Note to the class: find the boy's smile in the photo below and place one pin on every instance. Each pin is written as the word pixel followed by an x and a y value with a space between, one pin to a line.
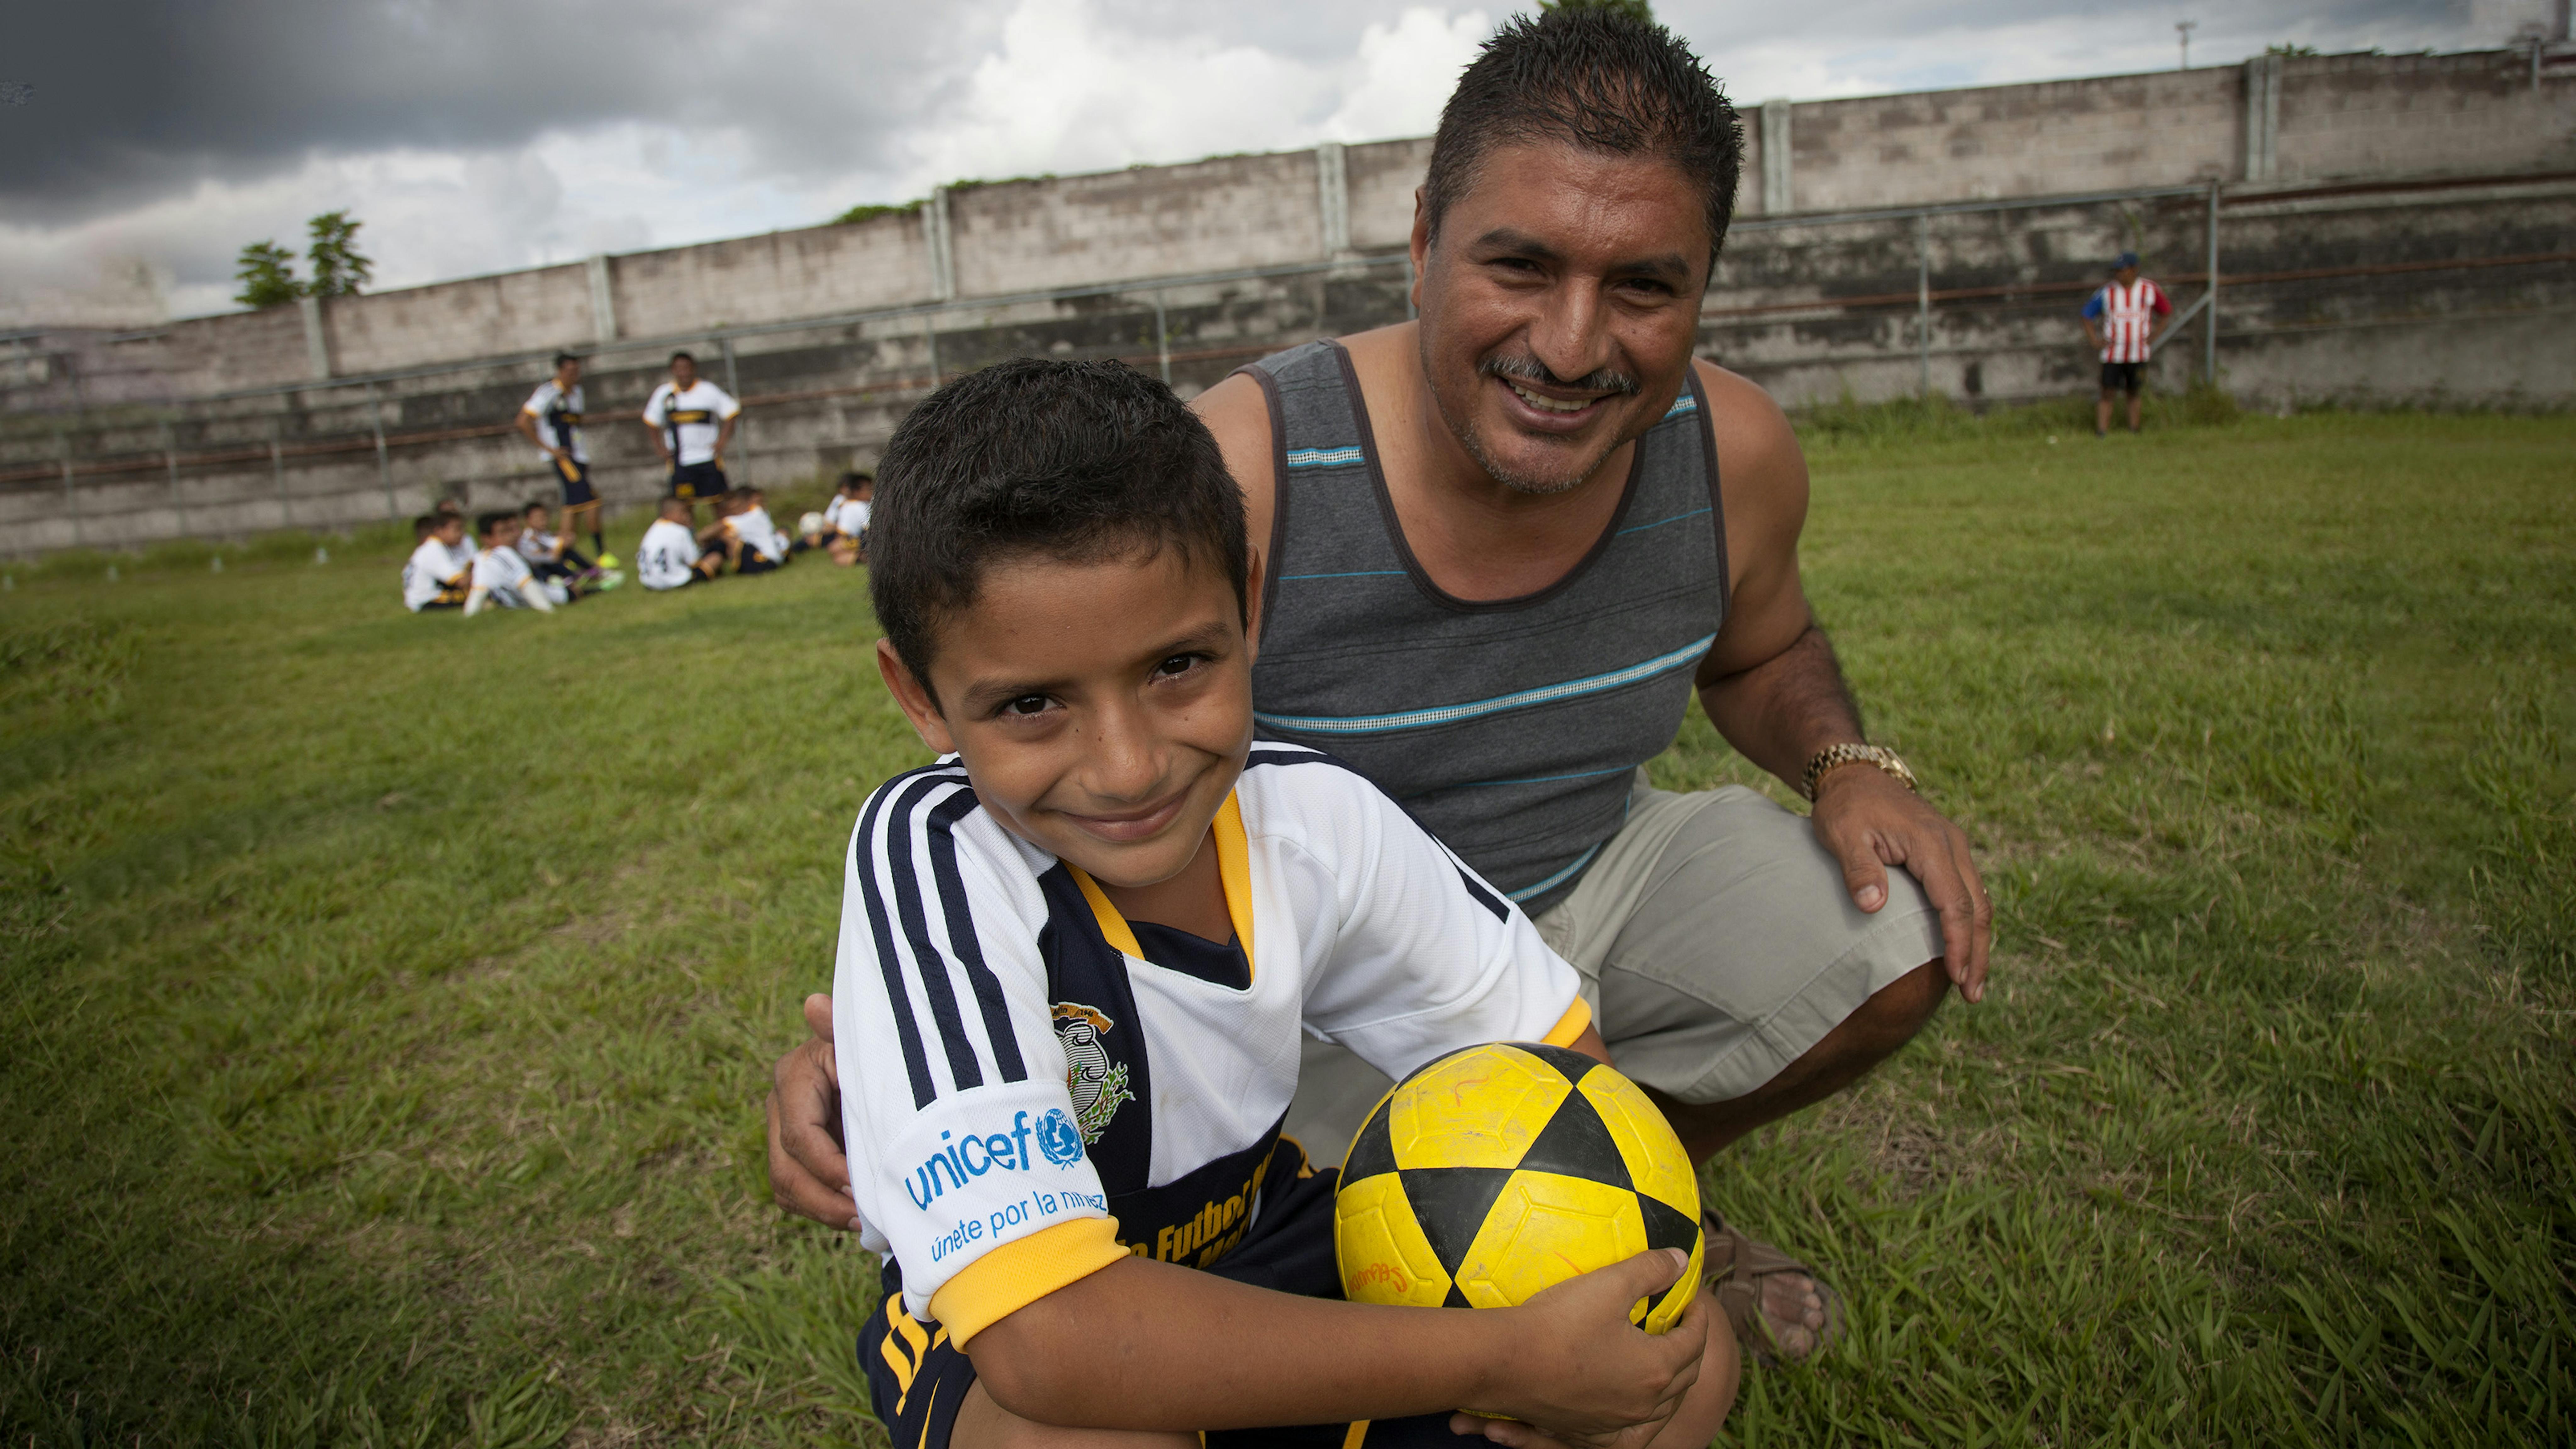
pixel 1103 709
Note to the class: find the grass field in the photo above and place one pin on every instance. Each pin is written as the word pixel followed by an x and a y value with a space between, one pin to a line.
pixel 389 1000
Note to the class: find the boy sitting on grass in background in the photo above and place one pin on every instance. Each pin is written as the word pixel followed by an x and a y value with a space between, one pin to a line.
pixel 669 557
pixel 845 520
pixel 502 577
pixel 436 574
pixel 753 542
pixel 1075 958
pixel 552 555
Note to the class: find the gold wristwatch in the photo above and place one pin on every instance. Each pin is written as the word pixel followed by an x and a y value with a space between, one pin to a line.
pixel 1834 756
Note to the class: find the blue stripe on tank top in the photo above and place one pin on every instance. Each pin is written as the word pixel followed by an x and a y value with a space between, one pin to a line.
pixel 1686 403
pixel 1541 888
pixel 1374 724
pixel 1660 522
pixel 1325 457
pixel 1546 779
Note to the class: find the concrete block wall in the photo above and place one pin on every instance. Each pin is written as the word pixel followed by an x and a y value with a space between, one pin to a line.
pixel 811 272
pixel 2403 115
pixel 526 311
pixel 1147 221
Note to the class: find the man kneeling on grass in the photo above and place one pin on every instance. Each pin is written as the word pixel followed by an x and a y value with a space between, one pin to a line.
pixel 1076 955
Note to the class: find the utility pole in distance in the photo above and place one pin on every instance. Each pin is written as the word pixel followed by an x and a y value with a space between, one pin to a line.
pixel 2183 29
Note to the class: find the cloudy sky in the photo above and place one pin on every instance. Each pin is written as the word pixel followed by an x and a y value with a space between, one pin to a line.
pixel 481 135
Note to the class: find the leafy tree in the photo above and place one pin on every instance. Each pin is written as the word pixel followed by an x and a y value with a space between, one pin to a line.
pixel 1638 10
pixel 870 211
pixel 266 272
pixel 338 268
pixel 2288 49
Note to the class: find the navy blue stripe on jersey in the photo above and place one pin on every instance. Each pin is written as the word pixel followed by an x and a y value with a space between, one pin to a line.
pixel 863 865
pixel 964 1071
pixel 1476 890
pixel 961 934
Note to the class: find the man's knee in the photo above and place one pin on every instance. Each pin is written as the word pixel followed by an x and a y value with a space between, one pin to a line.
pixel 1897 1011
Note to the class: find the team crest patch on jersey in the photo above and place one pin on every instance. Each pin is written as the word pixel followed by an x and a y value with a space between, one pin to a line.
pixel 1099 1085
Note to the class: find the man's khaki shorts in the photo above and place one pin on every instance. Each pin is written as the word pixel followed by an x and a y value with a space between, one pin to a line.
pixel 1716 945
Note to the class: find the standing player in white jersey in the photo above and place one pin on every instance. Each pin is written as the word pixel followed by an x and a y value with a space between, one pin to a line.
pixel 551 419
pixel 2123 320
pixel 691 420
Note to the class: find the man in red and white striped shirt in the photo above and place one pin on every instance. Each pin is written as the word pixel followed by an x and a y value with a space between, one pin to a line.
pixel 2123 320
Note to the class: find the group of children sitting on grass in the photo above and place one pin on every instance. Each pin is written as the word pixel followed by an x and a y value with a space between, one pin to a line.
pixel 517 562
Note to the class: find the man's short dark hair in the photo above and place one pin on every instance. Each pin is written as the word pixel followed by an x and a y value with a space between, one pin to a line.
pixel 1074 461
pixel 563 357
pixel 1594 78
pixel 676 356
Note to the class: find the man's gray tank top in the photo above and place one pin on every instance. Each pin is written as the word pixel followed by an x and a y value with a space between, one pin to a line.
pixel 1511 728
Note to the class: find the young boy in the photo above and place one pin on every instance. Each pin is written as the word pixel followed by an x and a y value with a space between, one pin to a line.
pixel 502 577
pixel 846 521
pixel 435 576
pixel 753 544
pixel 551 419
pixel 691 420
pixel 1076 955
pixel 551 554
pixel 669 556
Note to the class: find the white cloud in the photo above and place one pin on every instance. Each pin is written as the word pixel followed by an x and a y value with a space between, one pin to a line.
pixel 1012 87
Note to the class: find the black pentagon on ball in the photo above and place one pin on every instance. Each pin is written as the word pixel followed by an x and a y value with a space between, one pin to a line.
pixel 1451 1204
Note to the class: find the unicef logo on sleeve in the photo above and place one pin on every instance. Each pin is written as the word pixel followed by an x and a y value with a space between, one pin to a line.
pixel 1059 1139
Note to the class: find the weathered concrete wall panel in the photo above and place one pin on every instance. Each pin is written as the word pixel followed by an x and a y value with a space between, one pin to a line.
pixel 1239 211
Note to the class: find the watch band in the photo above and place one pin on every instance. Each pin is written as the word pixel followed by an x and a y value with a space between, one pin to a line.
pixel 1826 760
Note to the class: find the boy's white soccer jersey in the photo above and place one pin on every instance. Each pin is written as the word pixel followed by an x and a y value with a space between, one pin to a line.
pixel 508 578
pixel 690 420
pixel 758 533
pixel 662 560
pixel 434 575
pixel 849 515
pixel 1021 1065
pixel 558 415
pixel 536 545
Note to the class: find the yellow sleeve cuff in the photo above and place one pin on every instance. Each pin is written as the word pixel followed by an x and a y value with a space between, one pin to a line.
pixel 1576 1021
pixel 1017 1274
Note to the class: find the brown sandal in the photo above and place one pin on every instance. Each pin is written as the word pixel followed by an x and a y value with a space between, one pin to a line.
pixel 1736 1267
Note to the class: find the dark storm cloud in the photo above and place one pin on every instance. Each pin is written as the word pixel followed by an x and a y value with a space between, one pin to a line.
pixel 138 99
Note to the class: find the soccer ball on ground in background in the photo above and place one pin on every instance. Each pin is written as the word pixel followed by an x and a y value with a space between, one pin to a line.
pixel 1498 1171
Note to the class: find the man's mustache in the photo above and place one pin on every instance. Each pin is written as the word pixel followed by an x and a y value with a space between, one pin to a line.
pixel 1530 369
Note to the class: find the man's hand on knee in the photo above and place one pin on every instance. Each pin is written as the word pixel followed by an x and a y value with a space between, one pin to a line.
pixel 809 1173
pixel 1870 822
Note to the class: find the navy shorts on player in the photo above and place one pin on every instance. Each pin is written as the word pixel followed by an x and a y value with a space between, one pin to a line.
pixel 2123 376
pixel 917 1378
pixel 576 483
pixel 698 482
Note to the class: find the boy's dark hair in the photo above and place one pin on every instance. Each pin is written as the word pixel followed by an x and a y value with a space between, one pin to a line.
pixel 1076 461
pixel 563 357
pixel 674 505
pixel 1598 79
pixel 484 523
pixel 532 505
pixel 854 478
pixel 676 356
pixel 427 524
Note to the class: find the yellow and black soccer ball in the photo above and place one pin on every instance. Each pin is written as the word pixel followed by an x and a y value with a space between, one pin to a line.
pixel 1497 1171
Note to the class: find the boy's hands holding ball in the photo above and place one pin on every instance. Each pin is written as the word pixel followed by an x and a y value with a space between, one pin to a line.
pixel 1581 1376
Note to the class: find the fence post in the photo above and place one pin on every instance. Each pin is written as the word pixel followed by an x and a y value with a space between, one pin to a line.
pixel 71 490
pixel 170 460
pixel 1923 301
pixel 2209 324
pixel 277 474
pixel 384 468
pixel 1162 337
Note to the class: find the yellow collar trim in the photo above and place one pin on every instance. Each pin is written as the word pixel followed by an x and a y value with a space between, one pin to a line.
pixel 1233 869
